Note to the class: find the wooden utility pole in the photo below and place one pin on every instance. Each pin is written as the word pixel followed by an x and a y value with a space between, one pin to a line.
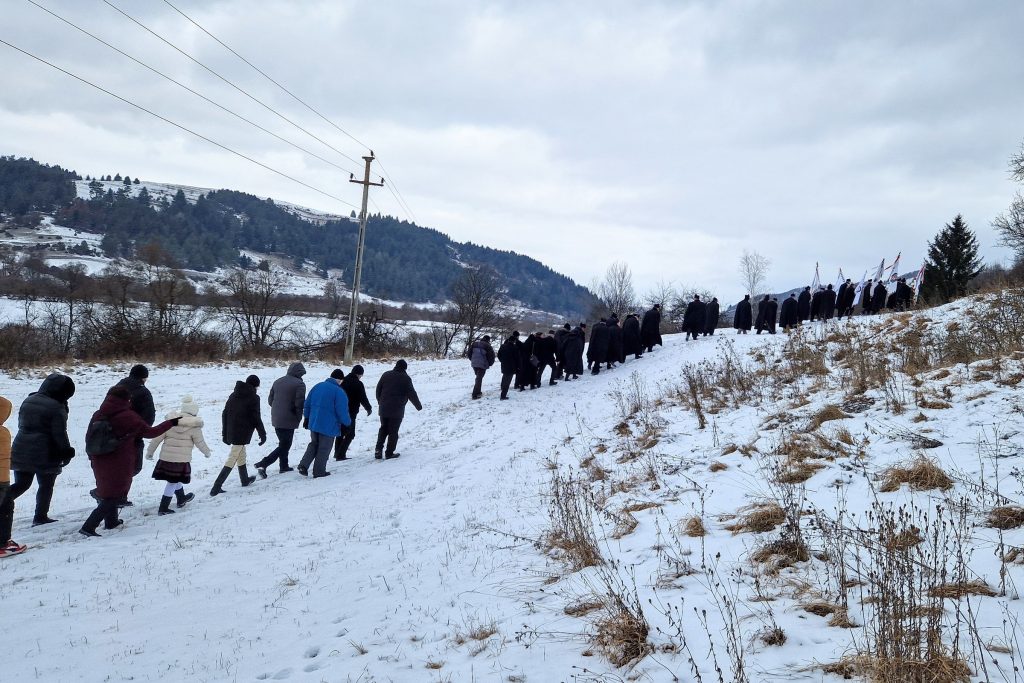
pixel 353 310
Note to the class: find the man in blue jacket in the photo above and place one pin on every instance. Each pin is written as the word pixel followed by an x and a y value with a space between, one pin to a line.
pixel 325 415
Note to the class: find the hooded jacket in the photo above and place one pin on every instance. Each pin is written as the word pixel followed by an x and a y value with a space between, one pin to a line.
pixel 176 444
pixel 508 355
pixel 5 442
pixel 327 408
pixel 42 445
pixel 114 471
pixel 573 351
pixel 241 416
pixel 600 336
pixel 631 336
pixel 394 390
pixel 481 355
pixel 287 397
pixel 744 317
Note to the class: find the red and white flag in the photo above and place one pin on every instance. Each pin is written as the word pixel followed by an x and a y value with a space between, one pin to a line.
pixel 881 269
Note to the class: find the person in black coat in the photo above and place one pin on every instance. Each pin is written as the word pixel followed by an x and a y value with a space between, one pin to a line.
pixel 788 318
pixel 545 348
pixel 597 352
pixel 762 314
pixel 352 384
pixel 394 390
pixel 142 404
pixel 828 303
pixel 843 297
pixel 711 317
pixel 771 315
pixel 803 305
pixel 904 295
pixel 650 328
pixel 561 335
pixel 694 318
pixel 41 449
pixel 743 318
pixel 816 304
pixel 865 298
pixel 239 420
pixel 574 345
pixel 509 359
pixel 528 367
pixel 878 299
pixel 614 341
pixel 631 337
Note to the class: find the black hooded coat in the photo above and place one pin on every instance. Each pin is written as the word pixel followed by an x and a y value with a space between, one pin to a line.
pixel 711 316
pixel 695 316
pixel 42 445
pixel 803 305
pixel 788 316
pixel 573 350
pixel 650 328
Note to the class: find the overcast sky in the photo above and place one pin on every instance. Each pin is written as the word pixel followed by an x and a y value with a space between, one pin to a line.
pixel 669 135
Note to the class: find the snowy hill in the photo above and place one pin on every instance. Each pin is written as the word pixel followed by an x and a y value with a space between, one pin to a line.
pixel 575 532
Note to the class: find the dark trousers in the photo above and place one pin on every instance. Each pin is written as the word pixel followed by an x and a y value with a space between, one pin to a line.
pixel 342 443
pixel 284 446
pixel 540 370
pixel 478 386
pixel 6 515
pixel 317 452
pixel 106 511
pixel 140 448
pixel 506 382
pixel 388 430
pixel 22 482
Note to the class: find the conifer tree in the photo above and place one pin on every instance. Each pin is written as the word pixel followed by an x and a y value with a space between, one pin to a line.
pixel 952 262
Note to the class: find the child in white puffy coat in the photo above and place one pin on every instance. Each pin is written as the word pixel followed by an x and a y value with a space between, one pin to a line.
pixel 175 463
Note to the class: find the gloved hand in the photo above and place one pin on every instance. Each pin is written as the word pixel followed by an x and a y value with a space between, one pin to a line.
pixel 263 440
pixel 305 423
pixel 369 412
pixel 174 421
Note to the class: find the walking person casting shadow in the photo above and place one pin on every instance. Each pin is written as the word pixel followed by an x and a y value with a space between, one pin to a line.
pixel 394 390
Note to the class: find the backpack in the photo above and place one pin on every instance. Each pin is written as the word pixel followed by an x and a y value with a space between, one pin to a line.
pixel 100 438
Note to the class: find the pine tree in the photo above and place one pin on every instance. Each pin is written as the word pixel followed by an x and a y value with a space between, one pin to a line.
pixel 952 262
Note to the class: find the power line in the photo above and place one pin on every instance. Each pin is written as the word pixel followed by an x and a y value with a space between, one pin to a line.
pixel 392 187
pixel 227 81
pixel 175 124
pixel 186 87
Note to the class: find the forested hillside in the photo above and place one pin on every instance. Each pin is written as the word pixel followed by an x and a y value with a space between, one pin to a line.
pixel 403 261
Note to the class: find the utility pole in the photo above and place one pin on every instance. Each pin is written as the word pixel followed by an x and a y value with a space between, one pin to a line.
pixel 353 310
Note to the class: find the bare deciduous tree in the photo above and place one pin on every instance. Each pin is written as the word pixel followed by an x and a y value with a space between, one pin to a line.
pixel 1010 224
pixel 754 272
pixel 662 293
pixel 253 306
pixel 615 290
pixel 479 302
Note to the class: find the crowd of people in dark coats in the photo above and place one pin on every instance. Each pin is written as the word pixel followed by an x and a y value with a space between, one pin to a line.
pixel 560 353
pixel 114 439
pixel 824 304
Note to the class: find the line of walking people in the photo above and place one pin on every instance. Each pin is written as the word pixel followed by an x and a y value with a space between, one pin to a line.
pixel 523 362
pixel 114 439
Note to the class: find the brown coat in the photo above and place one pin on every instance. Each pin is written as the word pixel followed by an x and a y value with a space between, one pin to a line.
pixel 5 442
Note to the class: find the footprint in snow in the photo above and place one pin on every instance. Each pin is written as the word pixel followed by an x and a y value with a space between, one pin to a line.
pixel 312 652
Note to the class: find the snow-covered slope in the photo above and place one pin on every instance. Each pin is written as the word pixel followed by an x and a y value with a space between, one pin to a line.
pixel 430 567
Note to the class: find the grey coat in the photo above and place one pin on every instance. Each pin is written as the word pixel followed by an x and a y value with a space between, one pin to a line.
pixel 286 398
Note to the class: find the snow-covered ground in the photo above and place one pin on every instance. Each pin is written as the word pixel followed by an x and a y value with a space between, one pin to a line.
pixel 428 568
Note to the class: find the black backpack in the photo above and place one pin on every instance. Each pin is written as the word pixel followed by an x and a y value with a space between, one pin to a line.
pixel 100 438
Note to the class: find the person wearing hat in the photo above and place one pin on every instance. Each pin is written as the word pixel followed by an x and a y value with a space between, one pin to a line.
pixel 175 463
pixel 286 398
pixel 394 390
pixel 241 417
pixel 481 358
pixel 356 394
pixel 326 416
pixel 650 328
pixel 508 356
pixel 142 404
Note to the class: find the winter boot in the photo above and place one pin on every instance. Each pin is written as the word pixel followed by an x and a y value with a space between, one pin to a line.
pixel 183 497
pixel 243 475
pixel 261 471
pixel 39 521
pixel 221 478
pixel 165 506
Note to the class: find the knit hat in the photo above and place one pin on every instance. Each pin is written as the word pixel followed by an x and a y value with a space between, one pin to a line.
pixel 253 381
pixel 189 406
pixel 401 365
pixel 139 372
pixel 357 370
pixel 337 373
pixel 120 392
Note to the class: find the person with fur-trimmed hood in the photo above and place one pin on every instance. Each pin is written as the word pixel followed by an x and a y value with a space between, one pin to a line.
pixel 743 318
pixel 631 345
pixel 175 463
pixel 8 547
pixel 508 357
pixel 597 351
pixel 114 470
pixel 239 421
pixel 650 328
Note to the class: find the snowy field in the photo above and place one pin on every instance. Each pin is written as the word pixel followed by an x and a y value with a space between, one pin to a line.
pixel 430 567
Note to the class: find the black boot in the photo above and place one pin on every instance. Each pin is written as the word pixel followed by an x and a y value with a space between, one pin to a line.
pixel 93 521
pixel 183 497
pixel 243 476
pixel 221 478
pixel 165 506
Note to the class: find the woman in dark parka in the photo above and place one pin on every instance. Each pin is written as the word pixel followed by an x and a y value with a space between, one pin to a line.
pixel 114 470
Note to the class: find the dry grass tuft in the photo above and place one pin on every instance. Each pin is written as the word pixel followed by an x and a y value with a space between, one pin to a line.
pixel 583 608
pixel 1006 517
pixel 922 474
pixel 798 473
pixel 826 414
pixel 431 664
pixel 941 669
pixel 933 404
pixel 958 590
pixel 902 540
pixel 693 527
pixel 920 417
pixel 820 608
pixel 717 466
pixel 772 636
pixel 729 448
pixel 841 619
pixel 622 637
pixel 759 518
pixel 781 553
pixel 1014 556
